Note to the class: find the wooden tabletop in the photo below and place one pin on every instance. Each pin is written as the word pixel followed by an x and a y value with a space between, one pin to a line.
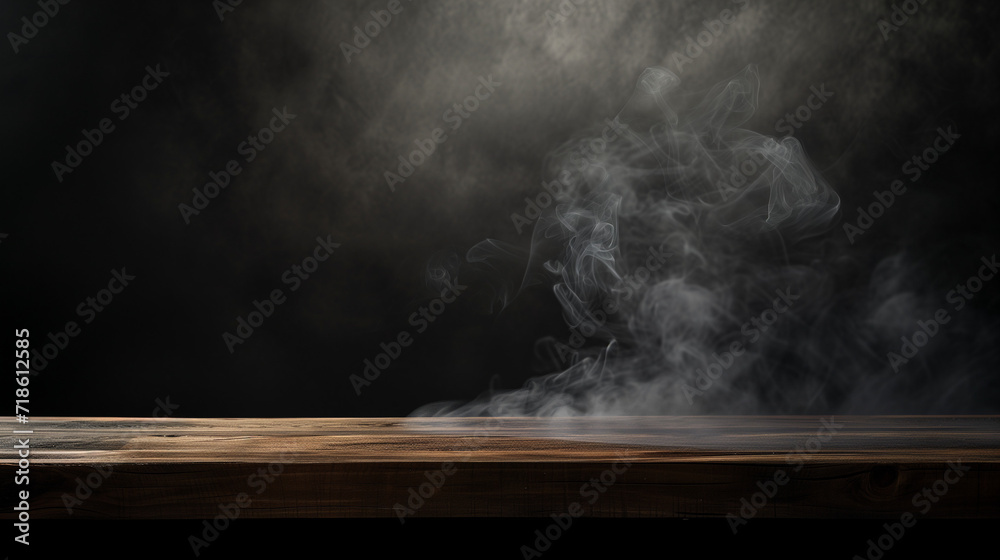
pixel 844 466
pixel 643 439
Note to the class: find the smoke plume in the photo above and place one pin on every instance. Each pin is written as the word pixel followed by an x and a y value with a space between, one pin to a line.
pixel 696 264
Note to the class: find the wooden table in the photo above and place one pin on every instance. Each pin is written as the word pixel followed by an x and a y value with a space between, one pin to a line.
pixel 774 467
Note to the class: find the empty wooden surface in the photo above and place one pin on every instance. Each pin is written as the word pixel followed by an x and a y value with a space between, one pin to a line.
pixel 370 467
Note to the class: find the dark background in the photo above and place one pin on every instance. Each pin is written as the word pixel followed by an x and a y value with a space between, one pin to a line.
pixel 162 337
pixel 502 538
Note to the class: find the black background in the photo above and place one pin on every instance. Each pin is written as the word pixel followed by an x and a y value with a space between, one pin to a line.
pixel 162 337
pixel 323 176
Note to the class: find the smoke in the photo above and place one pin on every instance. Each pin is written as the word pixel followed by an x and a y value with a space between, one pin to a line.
pixel 696 264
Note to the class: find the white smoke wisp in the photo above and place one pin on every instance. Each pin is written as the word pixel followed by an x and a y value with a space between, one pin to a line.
pixel 695 258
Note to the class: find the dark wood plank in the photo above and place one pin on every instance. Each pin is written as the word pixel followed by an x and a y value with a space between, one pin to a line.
pixel 867 467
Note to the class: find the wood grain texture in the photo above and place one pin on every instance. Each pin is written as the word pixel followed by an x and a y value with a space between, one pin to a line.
pixel 843 467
